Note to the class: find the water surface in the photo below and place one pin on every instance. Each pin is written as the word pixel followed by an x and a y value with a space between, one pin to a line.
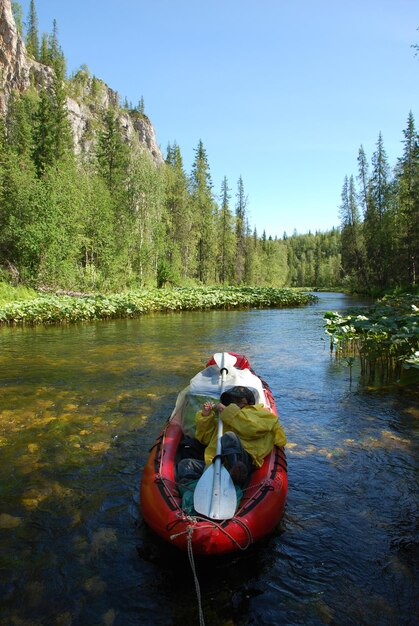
pixel 80 407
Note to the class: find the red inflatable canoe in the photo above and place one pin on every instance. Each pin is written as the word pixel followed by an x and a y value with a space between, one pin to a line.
pixel 263 501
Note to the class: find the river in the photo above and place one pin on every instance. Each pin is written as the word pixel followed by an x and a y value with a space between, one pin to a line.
pixel 81 405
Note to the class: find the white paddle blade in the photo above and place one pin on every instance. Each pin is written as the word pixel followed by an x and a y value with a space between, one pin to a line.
pixel 215 495
pixel 224 359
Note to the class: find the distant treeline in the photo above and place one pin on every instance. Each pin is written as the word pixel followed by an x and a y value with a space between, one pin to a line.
pixel 109 219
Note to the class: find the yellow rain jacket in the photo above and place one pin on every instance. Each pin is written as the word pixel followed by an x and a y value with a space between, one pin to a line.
pixel 259 430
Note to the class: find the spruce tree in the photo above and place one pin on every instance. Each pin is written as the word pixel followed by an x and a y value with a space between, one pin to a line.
pixel 112 153
pixel 249 256
pixel 241 204
pixel 17 14
pixel 203 212
pixel 353 254
pixel 53 135
pixel 44 55
pixel 407 172
pixel 376 224
pixel 52 132
pixel 178 210
pixel 32 35
pixel 227 239
pixel 364 181
pixel 63 138
pixel 56 58
pixel 44 133
pixel 19 123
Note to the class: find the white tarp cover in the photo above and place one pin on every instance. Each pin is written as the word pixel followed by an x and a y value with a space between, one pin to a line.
pixel 206 385
pixel 208 382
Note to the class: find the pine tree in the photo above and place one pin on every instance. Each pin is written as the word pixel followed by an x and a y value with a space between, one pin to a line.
pixel 32 36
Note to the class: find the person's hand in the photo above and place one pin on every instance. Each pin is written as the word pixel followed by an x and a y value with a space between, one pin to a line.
pixel 219 407
pixel 207 408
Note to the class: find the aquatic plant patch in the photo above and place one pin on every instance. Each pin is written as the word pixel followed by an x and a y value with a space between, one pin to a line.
pixel 385 336
pixel 58 309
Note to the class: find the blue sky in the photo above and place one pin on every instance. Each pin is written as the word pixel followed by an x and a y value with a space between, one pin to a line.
pixel 281 92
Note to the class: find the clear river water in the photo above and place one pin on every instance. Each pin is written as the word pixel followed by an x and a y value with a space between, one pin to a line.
pixel 81 405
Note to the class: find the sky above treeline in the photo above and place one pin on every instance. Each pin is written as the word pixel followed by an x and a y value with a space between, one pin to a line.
pixel 281 93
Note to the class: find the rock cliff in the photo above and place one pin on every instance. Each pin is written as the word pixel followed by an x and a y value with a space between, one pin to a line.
pixel 87 102
pixel 15 65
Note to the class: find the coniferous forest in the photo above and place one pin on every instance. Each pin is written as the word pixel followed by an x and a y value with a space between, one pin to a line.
pixel 110 219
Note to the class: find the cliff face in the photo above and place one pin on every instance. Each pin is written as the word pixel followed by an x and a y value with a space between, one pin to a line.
pixel 85 109
pixel 15 66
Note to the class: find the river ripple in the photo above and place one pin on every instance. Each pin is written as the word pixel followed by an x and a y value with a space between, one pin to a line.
pixel 81 405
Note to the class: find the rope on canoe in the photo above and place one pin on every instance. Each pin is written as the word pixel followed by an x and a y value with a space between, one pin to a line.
pixel 211 524
pixel 195 576
pixel 189 532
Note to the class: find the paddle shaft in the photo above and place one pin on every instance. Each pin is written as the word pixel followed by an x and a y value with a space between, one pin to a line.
pixel 216 485
pixel 215 495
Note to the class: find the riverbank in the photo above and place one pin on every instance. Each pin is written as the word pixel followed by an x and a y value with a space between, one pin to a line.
pixel 56 309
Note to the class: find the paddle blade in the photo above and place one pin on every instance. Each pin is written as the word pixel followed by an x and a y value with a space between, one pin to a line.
pixel 215 495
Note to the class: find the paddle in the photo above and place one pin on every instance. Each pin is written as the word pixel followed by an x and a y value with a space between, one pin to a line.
pixel 215 495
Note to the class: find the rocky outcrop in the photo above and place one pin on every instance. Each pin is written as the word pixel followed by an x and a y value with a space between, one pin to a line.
pixel 139 126
pixel 85 109
pixel 16 67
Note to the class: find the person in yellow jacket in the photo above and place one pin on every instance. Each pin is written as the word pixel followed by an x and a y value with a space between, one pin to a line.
pixel 250 432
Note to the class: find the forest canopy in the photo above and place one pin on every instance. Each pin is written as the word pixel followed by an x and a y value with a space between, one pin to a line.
pixel 110 219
